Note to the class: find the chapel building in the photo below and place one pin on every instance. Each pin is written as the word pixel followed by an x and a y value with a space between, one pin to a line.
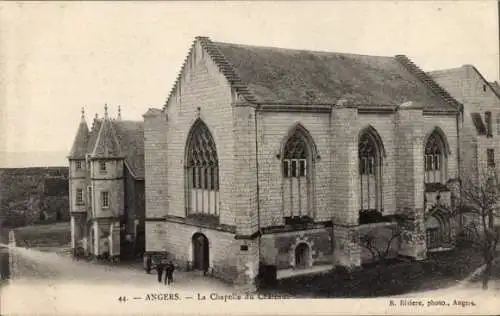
pixel 276 157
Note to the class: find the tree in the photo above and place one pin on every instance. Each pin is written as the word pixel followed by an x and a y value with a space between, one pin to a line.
pixel 379 247
pixel 477 209
pixel 380 253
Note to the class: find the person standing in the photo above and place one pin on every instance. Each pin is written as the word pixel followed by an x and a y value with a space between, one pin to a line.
pixel 159 269
pixel 169 277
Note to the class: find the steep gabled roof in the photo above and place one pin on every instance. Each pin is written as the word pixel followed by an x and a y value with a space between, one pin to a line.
pixel 495 86
pixel 96 127
pixel 79 147
pixel 269 75
pixel 446 76
pixel 130 136
pixel 107 145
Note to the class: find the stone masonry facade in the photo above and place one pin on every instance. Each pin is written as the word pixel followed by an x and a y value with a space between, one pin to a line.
pixel 251 228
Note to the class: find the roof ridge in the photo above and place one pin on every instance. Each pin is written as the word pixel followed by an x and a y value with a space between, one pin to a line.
pixel 428 81
pixel 300 49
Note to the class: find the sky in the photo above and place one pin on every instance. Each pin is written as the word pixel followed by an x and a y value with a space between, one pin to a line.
pixel 56 57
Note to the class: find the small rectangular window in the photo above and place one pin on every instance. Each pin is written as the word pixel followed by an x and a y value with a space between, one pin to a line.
pixel 490 153
pixel 302 168
pixel 369 166
pixel 105 199
pixel 436 162
pixel 90 194
pixel 429 162
pixel 102 166
pixel 294 168
pixel 489 132
pixel 216 178
pixel 193 174
pixel 79 196
pixel 362 165
pixel 212 178
pixel 205 178
pixel 286 168
pixel 78 165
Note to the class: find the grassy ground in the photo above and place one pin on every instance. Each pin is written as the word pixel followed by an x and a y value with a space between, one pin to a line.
pixel 48 235
pixel 440 270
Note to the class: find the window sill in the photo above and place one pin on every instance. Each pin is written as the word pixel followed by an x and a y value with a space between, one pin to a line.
pixel 436 187
pixel 80 203
pixel 203 218
pixel 298 220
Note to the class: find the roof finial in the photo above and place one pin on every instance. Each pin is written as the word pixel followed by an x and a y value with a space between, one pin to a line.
pixel 105 110
pixel 83 114
pixel 119 113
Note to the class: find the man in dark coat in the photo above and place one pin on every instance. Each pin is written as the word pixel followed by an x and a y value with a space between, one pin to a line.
pixel 160 266
pixel 169 271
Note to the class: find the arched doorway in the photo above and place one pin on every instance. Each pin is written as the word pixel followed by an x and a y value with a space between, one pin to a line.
pixel 200 252
pixel 302 256
pixel 438 230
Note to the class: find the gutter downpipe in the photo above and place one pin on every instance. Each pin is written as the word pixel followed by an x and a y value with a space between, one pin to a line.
pixel 257 186
pixel 460 113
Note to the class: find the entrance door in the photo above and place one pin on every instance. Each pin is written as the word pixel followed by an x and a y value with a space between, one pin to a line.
pixel 200 252
pixel 302 256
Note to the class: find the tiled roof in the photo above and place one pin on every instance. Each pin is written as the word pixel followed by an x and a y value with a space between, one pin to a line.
pixel 80 143
pixel 478 123
pixel 96 127
pixel 268 75
pixel 118 138
pixel 130 135
pixel 107 145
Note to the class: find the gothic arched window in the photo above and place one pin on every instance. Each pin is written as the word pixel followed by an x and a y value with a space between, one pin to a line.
pixel 435 159
pixel 202 172
pixel 297 166
pixel 370 170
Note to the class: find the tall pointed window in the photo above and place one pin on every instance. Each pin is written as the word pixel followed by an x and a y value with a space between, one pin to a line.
pixel 370 170
pixel 202 172
pixel 435 159
pixel 297 174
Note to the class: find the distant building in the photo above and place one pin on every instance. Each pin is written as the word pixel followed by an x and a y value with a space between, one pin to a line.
pixel 106 184
pixel 286 158
pixel 480 129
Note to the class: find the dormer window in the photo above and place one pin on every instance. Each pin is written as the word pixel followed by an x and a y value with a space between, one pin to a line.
pixel 489 128
pixel 102 167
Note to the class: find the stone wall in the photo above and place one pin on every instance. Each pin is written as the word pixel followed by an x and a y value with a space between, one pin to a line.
pixel 279 249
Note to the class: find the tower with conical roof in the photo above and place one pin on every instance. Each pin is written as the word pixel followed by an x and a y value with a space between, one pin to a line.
pixel 77 181
pixel 107 185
